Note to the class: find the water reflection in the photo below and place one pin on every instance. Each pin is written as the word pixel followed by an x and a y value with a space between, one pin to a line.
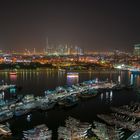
pixel 51 78
pixel 119 79
pixel 131 79
pixel 72 78
pixel 107 97
pixel 37 81
pixel 135 80
pixel 13 77
pixel 102 96
pixel 111 96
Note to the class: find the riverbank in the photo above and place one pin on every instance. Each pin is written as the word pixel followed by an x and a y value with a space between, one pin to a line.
pixel 62 70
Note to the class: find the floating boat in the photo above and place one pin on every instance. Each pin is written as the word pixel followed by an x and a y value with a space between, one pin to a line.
pixel 5 115
pixel 68 101
pixel 74 129
pixel 28 98
pixel 21 111
pixel 6 86
pixel 88 94
pixel 40 132
pixel 4 130
pixel 47 105
pixel 103 131
pixel 29 101
pixel 64 133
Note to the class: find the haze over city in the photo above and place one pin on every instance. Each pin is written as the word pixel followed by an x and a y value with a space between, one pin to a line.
pixel 69 69
pixel 101 25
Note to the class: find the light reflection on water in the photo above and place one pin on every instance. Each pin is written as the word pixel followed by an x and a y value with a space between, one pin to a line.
pixel 13 77
pixel 72 79
pixel 106 97
pixel 59 78
pixel 36 81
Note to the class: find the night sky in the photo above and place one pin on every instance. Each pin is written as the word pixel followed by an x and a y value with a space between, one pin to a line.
pixel 101 25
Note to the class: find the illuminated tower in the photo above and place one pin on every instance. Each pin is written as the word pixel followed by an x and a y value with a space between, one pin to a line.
pixel 48 49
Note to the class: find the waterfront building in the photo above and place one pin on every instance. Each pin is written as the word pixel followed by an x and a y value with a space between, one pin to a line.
pixel 136 50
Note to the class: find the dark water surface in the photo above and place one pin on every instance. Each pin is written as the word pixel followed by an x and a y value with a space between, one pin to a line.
pixel 36 81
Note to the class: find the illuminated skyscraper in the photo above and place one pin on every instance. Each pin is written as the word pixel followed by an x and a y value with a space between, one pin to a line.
pixel 49 49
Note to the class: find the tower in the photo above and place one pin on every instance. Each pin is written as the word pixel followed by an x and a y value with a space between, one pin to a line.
pixel 47 44
pixel 48 49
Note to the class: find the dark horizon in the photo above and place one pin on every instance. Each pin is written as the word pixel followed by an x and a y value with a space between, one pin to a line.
pixel 100 25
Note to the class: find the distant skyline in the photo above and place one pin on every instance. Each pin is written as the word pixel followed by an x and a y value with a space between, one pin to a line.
pixel 100 25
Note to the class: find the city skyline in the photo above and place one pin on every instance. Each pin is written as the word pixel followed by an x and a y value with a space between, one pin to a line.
pixel 91 24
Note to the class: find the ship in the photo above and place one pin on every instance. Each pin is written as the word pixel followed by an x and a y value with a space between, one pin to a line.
pixel 103 131
pixel 21 111
pixel 29 101
pixel 90 93
pixel 47 105
pixel 4 130
pixel 74 129
pixel 5 115
pixel 68 101
pixel 40 132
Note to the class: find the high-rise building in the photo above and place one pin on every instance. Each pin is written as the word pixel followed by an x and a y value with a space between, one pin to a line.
pixel 62 49
pixel 48 48
pixel 137 49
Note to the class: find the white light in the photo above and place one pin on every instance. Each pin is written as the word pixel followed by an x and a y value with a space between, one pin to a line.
pixel 72 76
pixel 119 67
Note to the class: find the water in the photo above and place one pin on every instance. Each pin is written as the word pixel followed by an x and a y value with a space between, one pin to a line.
pixel 36 81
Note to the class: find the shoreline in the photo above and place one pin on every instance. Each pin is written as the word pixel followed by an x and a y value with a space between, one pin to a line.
pixel 63 70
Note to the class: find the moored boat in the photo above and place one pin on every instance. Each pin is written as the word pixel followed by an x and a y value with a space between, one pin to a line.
pixel 68 101
pixel 47 105
pixel 21 111
pixel 4 130
pixel 88 94
pixel 5 115
pixel 74 129
pixel 40 132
